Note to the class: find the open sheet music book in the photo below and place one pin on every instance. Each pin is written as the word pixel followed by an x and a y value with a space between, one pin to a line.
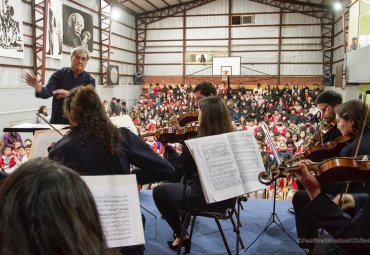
pixel 42 140
pixel 117 200
pixel 228 164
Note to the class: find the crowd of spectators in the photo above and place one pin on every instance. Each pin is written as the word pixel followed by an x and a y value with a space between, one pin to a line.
pixel 14 152
pixel 289 112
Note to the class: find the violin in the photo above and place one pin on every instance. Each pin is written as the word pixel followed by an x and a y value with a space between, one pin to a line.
pixel 188 117
pixel 172 135
pixel 318 152
pixel 332 170
pixel 317 137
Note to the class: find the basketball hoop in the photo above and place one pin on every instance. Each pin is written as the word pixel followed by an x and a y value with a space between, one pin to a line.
pixel 225 75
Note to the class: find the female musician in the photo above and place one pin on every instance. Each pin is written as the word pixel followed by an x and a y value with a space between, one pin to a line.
pixel 96 147
pixel 348 116
pixel 214 119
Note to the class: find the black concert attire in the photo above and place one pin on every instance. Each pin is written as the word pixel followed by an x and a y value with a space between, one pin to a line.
pixel 187 194
pixel 63 79
pixel 349 231
pixel 307 226
pixel 93 160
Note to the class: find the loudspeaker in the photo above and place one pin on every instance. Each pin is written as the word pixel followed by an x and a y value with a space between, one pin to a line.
pixel 328 78
pixel 138 78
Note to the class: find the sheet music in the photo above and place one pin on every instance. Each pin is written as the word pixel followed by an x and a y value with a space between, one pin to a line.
pixel 40 125
pixel 217 167
pixel 43 139
pixel 117 200
pixel 248 157
pixel 124 121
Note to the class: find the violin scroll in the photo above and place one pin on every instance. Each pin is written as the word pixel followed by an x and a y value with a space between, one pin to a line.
pixel 275 173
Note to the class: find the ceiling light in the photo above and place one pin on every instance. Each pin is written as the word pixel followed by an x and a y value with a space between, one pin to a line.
pixel 337 6
pixel 115 13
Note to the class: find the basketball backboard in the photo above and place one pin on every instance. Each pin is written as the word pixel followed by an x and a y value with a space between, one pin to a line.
pixel 221 65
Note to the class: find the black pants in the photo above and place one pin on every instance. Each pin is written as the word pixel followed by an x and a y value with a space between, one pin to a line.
pixel 306 225
pixel 170 197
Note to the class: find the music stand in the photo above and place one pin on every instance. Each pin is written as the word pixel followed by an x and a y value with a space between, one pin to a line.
pixel 274 215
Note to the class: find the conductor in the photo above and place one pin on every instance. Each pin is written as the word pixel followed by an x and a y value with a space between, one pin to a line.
pixel 62 81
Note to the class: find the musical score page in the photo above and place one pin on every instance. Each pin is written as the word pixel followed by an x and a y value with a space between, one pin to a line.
pixel 217 167
pixel 117 200
pixel 42 140
pixel 248 157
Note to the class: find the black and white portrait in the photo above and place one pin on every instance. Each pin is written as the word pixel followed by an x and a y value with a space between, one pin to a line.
pixel 11 34
pixel 77 28
pixel 54 40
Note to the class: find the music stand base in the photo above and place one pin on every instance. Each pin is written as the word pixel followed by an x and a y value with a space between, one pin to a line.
pixel 272 220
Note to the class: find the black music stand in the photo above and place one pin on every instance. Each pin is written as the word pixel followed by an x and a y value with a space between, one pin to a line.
pixel 274 215
pixel 272 220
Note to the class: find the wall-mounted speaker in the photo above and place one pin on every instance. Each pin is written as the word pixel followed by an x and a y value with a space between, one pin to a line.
pixel 328 78
pixel 138 78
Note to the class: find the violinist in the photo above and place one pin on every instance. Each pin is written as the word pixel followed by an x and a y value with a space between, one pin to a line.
pixel 350 234
pixel 204 89
pixel 96 147
pixel 326 102
pixel 214 119
pixel 348 117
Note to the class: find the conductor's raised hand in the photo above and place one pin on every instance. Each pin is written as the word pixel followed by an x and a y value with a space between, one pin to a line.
pixel 60 93
pixel 31 80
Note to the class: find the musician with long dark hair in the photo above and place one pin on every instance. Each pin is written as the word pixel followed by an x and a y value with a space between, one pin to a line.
pixel 214 119
pixel 46 208
pixel 96 147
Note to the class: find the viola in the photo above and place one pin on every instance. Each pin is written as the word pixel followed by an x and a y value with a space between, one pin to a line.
pixel 332 170
pixel 318 152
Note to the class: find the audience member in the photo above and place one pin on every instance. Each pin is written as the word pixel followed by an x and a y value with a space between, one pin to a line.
pixel 46 208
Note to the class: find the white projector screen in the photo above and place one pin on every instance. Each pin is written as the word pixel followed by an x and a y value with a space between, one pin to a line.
pixel 357 65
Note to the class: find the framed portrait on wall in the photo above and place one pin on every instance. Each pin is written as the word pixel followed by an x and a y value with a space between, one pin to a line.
pixel 77 28
pixel 54 35
pixel 11 29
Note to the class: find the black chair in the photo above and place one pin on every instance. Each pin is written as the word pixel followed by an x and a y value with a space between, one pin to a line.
pixel 217 216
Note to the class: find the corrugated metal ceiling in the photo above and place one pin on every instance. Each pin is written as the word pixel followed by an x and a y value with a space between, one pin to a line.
pixel 145 6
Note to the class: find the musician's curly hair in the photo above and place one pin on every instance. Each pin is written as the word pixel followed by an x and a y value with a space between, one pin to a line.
pixel 84 106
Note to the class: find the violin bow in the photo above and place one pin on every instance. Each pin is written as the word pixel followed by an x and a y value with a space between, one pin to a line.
pixel 269 140
pixel 47 122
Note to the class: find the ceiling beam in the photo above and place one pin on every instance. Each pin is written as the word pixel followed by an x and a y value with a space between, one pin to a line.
pixel 310 9
pixel 170 11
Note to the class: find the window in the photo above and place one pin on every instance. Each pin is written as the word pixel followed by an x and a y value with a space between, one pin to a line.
pixel 242 20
